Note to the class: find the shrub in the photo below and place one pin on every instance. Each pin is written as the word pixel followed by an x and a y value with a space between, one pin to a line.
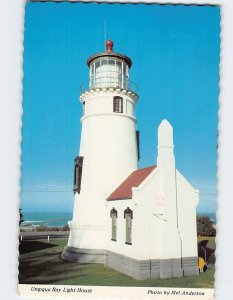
pixel 54 228
pixel 205 226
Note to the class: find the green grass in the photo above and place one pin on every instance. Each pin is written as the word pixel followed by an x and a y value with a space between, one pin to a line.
pixel 211 241
pixel 44 266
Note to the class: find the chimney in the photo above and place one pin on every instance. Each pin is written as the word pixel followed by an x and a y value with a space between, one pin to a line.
pixel 165 144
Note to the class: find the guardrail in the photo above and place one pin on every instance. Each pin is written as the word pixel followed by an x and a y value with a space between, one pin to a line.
pixel 109 80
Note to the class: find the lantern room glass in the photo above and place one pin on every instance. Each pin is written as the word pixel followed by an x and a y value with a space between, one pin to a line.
pixel 109 72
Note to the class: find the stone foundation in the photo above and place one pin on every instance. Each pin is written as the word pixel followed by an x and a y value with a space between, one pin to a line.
pixel 154 268
pixel 171 268
pixel 138 269
pixel 190 266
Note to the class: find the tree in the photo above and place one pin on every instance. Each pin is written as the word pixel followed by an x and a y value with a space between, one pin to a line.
pixel 205 226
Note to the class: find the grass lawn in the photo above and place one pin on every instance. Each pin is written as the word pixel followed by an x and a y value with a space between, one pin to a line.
pixel 40 263
pixel 211 240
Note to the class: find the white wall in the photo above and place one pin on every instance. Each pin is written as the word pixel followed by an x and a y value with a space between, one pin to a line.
pixel 149 220
pixel 109 147
pixel 146 228
pixel 101 102
pixel 187 201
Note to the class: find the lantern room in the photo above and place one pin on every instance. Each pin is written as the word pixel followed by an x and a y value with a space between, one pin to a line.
pixel 109 69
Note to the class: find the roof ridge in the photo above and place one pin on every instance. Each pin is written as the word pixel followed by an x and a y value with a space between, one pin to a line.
pixel 134 179
pixel 146 167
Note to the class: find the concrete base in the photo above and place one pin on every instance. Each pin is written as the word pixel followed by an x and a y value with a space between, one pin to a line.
pixel 152 269
pixel 84 255
pixel 190 266
pixel 138 269
pixel 171 268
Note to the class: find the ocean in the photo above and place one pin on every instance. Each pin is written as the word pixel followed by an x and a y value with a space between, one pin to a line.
pixel 47 218
pixel 61 218
pixel 212 216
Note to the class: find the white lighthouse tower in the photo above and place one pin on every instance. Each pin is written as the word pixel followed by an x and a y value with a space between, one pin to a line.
pixel 108 151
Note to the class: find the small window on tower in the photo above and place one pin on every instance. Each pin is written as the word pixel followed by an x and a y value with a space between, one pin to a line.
pixel 118 104
pixel 78 167
pixel 83 108
pixel 128 215
pixel 113 215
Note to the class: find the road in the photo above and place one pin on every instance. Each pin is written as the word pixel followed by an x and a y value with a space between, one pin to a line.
pixel 38 235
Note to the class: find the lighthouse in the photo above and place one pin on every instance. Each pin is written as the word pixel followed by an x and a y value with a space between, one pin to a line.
pixel 109 150
pixel 141 222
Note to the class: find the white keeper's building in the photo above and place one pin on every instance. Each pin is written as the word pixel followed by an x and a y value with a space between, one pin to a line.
pixel 141 222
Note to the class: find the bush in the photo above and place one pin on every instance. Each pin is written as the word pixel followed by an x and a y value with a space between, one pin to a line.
pixel 54 228
pixel 205 226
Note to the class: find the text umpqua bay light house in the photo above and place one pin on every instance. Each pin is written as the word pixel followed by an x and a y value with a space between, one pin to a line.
pixel 141 222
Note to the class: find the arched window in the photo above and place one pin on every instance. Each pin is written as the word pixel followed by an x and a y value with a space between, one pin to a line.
pixel 128 215
pixel 78 167
pixel 118 104
pixel 113 215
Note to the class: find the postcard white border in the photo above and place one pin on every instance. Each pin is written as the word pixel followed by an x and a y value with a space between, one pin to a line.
pixel 107 292
pixel 11 34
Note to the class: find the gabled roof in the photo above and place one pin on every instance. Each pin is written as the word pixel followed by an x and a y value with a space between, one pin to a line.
pixel 124 190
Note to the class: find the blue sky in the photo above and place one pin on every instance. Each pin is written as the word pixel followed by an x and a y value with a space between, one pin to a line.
pixel 175 53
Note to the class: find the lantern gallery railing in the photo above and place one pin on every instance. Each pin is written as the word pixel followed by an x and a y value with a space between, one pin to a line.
pixel 109 79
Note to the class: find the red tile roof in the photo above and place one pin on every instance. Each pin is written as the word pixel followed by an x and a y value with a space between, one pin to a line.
pixel 124 190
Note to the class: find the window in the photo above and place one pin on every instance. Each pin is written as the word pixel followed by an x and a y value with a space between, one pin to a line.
pixel 124 69
pixel 111 62
pixel 104 62
pixel 138 143
pixel 118 104
pixel 97 64
pixel 113 215
pixel 119 66
pixel 83 108
pixel 92 69
pixel 128 215
pixel 78 166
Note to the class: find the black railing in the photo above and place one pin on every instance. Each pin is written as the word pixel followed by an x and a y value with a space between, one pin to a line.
pixel 110 79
